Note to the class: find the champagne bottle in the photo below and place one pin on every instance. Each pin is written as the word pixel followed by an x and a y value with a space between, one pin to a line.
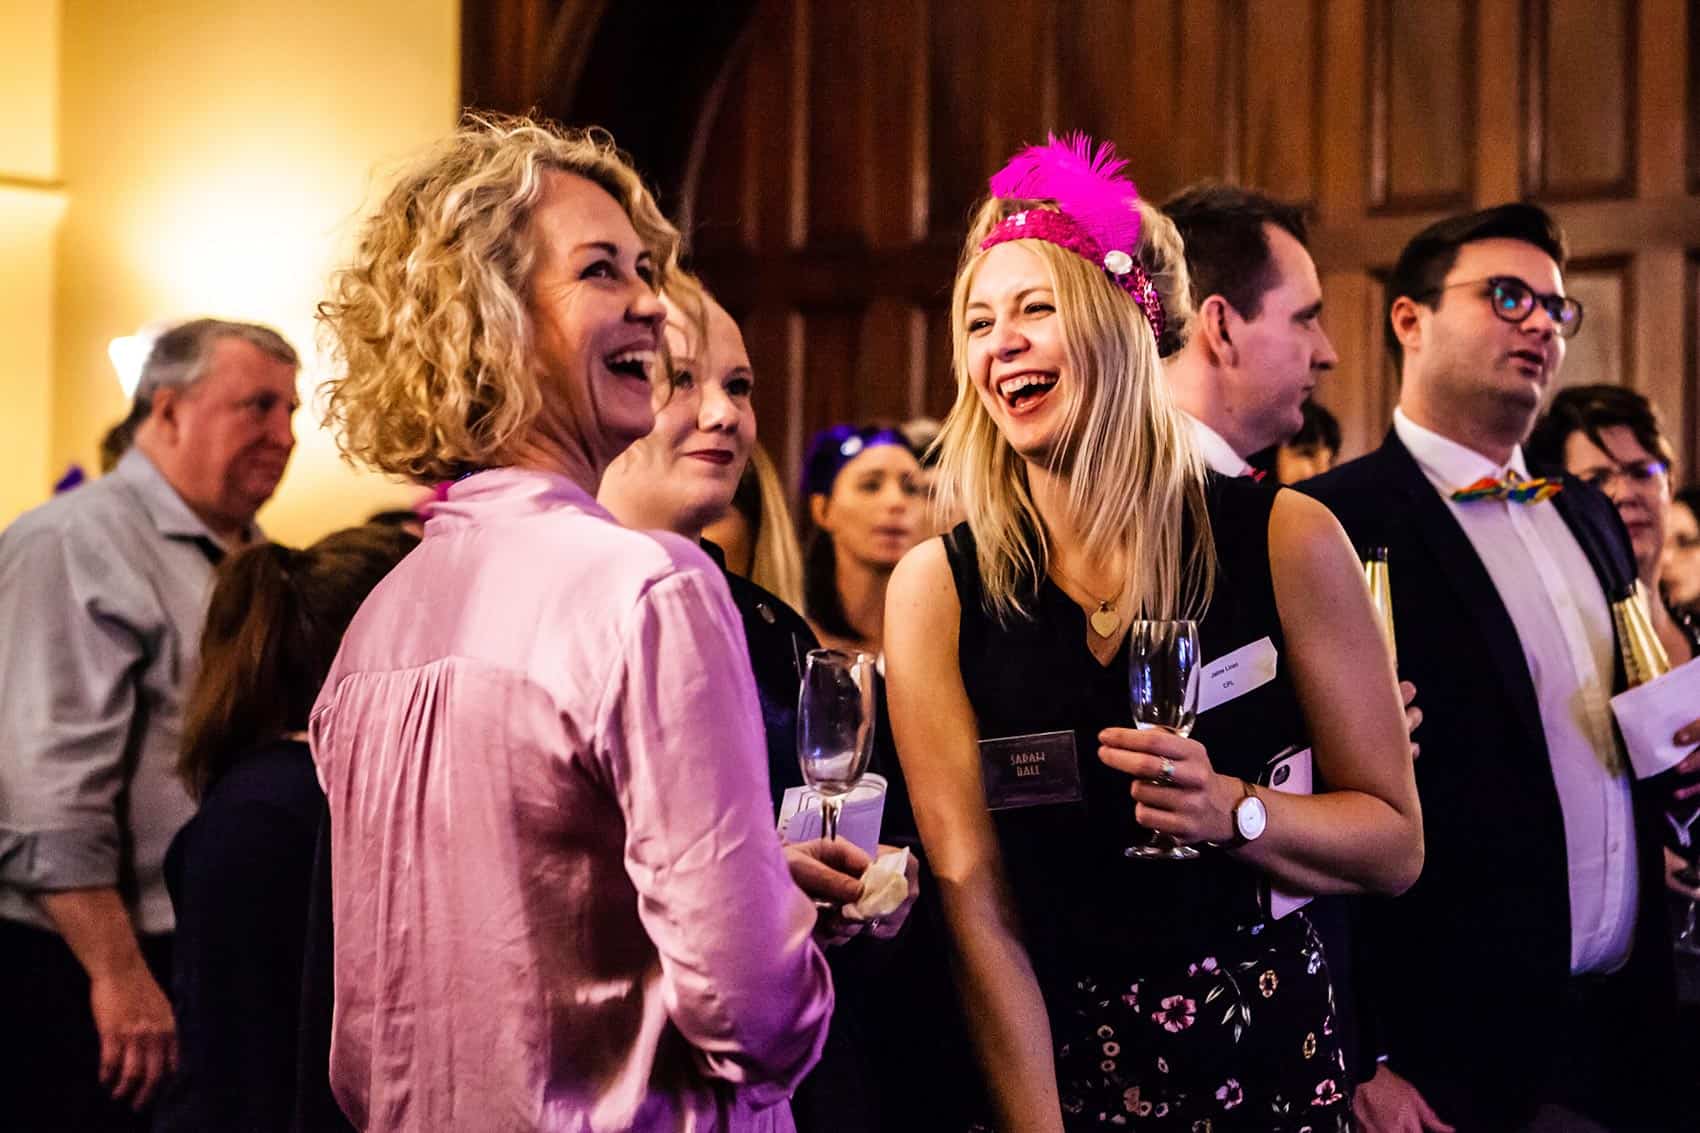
pixel 1644 656
pixel 1381 596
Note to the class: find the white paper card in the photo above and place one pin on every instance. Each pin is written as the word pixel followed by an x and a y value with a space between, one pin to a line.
pixel 1237 673
pixel 864 811
pixel 1290 774
pixel 1650 714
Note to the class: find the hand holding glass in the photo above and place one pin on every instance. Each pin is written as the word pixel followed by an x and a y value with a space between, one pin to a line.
pixel 1162 677
pixel 835 727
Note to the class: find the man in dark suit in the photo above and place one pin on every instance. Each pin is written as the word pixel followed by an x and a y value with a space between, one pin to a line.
pixel 1525 981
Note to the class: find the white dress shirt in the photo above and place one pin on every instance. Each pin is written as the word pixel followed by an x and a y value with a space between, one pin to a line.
pixel 1218 453
pixel 1564 624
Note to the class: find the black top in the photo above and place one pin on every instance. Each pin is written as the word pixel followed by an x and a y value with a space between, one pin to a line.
pixel 1081 901
pixel 779 639
pixel 238 874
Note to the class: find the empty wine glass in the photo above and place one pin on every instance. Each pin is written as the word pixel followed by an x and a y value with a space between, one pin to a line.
pixel 1162 677
pixel 835 727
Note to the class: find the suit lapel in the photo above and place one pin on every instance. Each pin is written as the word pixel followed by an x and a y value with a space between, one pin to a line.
pixel 1457 563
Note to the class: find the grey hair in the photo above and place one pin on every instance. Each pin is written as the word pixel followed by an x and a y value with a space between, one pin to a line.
pixel 179 357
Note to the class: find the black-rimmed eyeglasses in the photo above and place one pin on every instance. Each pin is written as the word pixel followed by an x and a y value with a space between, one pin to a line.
pixel 1513 300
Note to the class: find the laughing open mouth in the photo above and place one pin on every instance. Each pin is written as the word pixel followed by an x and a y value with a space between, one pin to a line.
pixel 1021 391
pixel 636 364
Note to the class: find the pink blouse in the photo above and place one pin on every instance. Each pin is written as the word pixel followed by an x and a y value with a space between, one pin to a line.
pixel 560 902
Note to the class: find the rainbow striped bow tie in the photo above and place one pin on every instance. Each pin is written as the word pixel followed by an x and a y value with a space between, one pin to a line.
pixel 1514 488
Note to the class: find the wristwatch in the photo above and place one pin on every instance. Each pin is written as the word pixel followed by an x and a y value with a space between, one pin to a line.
pixel 1251 818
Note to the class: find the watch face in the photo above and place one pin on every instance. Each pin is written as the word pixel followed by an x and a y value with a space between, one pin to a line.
pixel 1250 818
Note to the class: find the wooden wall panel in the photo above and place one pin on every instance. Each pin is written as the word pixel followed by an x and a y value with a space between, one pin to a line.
pixel 1278 49
pixel 828 367
pixel 839 143
pixel 850 140
pixel 1208 114
pixel 1602 351
pixel 1581 91
pixel 1686 420
pixel 1422 115
pixel 722 199
pixel 1097 42
pixel 888 381
pixel 866 141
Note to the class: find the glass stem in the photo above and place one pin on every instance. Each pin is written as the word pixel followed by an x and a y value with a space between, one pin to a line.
pixel 829 817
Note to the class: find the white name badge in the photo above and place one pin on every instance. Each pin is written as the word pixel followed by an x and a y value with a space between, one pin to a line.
pixel 1237 673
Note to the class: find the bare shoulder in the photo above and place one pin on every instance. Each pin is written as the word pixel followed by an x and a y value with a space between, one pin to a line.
pixel 922 584
pixel 1304 534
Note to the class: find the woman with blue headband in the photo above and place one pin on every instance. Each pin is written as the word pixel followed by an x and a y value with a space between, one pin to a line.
pixel 862 487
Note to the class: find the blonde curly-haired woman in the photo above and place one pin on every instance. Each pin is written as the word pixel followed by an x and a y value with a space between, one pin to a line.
pixel 559 901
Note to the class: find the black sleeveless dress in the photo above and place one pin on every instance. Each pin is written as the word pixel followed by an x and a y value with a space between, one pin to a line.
pixel 1174 1002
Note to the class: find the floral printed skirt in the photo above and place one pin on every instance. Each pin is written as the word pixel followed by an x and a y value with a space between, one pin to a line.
pixel 1241 1038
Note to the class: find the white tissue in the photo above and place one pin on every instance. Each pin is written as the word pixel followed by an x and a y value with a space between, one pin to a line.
pixel 885 886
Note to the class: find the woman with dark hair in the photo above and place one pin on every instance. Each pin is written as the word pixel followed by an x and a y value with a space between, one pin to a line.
pixel 863 490
pixel 1610 437
pixel 239 871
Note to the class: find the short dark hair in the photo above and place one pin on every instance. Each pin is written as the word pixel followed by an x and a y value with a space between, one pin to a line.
pixel 1227 248
pixel 1423 265
pixel 1589 409
pixel 1320 429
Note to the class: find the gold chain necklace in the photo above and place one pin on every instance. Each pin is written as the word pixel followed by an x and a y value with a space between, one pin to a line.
pixel 1104 620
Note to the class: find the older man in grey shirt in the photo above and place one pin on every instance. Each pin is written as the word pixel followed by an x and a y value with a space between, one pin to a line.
pixel 102 597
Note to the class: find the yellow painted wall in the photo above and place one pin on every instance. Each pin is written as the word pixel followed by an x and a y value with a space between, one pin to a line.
pixel 217 156
pixel 31 203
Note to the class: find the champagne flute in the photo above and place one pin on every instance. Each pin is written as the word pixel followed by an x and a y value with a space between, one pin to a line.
pixel 1162 677
pixel 835 727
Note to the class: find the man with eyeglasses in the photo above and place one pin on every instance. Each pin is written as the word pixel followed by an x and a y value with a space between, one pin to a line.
pixel 1524 982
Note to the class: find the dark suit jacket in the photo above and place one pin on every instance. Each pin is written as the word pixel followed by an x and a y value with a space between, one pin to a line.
pixel 1461 979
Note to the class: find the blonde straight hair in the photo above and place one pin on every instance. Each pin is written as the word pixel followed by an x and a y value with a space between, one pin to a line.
pixel 776 561
pixel 1135 479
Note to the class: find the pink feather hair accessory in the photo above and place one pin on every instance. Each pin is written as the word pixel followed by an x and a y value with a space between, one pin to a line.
pixel 1097 219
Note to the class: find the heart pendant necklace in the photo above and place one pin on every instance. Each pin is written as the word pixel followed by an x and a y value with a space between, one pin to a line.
pixel 1104 620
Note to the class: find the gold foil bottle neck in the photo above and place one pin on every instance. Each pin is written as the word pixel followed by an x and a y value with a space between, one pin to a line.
pixel 1381 596
pixel 1644 656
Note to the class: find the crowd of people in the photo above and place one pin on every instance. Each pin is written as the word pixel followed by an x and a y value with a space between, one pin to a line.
pixel 466 820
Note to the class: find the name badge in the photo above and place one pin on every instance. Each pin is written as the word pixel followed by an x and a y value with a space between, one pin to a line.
pixel 1034 770
pixel 1237 673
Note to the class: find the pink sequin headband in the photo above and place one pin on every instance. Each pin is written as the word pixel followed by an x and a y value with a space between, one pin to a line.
pixel 1097 220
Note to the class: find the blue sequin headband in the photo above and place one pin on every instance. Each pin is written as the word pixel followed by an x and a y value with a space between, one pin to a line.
pixel 831 449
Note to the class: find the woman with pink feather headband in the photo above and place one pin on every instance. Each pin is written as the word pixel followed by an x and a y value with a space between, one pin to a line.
pixel 1105 990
